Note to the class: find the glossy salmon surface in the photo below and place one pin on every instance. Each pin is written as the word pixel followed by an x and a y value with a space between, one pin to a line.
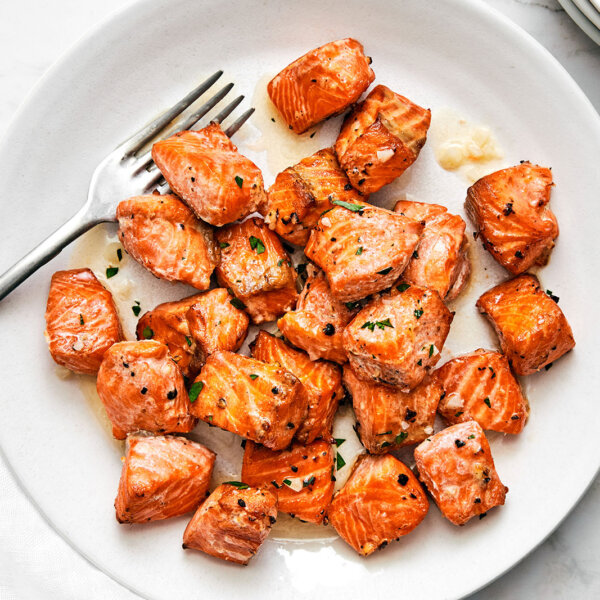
pixel 317 324
pixel 164 236
pixel 381 138
pixel 256 400
pixel 509 209
pixel 397 337
pixel 322 381
pixel 388 418
pixel 381 501
pixel 457 467
pixel 142 389
pixel 256 268
pixel 362 249
pixel 321 83
pixel 481 387
pixel 162 477
pixel 441 261
pixel 232 523
pixel 301 476
pixel 532 329
pixel 81 320
pixel 205 169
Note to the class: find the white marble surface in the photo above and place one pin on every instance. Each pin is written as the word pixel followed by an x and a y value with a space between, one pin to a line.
pixel 34 34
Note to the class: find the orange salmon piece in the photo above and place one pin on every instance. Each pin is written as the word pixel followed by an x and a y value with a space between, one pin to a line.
pixel 162 477
pixel 256 268
pixel 142 389
pixel 362 249
pixel 381 501
pixel 321 380
pixel 398 337
pixel 81 320
pixel 205 169
pixel 457 467
pixel 259 401
pixel 322 83
pixel 232 523
pixel 509 209
pixel 480 387
pixel 532 329
pixel 301 476
pixel 162 234
pixel 381 138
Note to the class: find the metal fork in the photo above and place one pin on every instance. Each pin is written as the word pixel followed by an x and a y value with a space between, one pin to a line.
pixel 127 171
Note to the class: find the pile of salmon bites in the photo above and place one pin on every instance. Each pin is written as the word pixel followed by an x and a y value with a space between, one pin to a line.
pixel 370 321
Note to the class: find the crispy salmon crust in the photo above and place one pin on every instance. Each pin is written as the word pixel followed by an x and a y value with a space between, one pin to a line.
pixel 303 192
pixel 362 249
pixel 301 476
pixel 398 337
pixel 232 523
pixel 381 501
pixel 388 418
pixel 317 324
pixel 256 400
pixel 441 261
pixel 532 329
pixel 81 320
pixel 509 209
pixel 321 83
pixel 322 381
pixel 381 138
pixel 142 389
pixel 205 169
pixel 457 467
pixel 480 386
pixel 256 268
pixel 162 234
pixel 162 477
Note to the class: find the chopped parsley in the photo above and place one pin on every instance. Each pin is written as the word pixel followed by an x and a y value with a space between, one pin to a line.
pixel 287 481
pixel 81 321
pixel 471 437
pixel 418 313
pixel 401 437
pixel 309 481
pixel 239 181
pixel 148 333
pixel 384 271
pixel 188 339
pixel 459 443
pixel 237 303
pixel 253 376
pixel 555 298
pixel 195 390
pixel 339 441
pixel 431 349
pixel 348 205
pixel 111 272
pixel 223 245
pixel 238 484
pixel 487 401
pixel 402 287
pixel 119 254
pixel 340 462
pixel 379 324
pixel 257 245
pixel 136 308
pixel 359 251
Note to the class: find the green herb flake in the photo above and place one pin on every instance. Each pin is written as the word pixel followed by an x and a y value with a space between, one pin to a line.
pixel 359 251
pixel 111 272
pixel 339 441
pixel 383 324
pixel 352 305
pixel 340 462
pixel 239 181
pixel 401 437
pixel 460 412
pixel 418 313
pixel 309 481
pixel 287 481
pixel 348 205
pixel 81 321
pixel 431 349
pixel 253 376
pixel 402 287
pixel 471 437
pixel 148 333
pixel 368 325
pixel 188 339
pixel 420 362
pixel 257 245
pixel 237 303
pixel 238 484
pixel 487 401
pixel 195 390
pixel 280 262
pixel 136 310
pixel 119 254
pixel 223 245
pixel 384 271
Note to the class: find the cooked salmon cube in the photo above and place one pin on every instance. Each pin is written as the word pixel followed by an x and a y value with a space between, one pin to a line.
pixel 142 389
pixel 363 249
pixel 323 82
pixel 509 209
pixel 232 523
pixel 532 329
pixel 256 400
pixel 317 324
pixel 301 476
pixel 381 501
pixel 481 387
pixel 441 261
pixel 205 169
pixel 162 477
pixel 457 467
pixel 303 192
pixel 81 320
pixel 256 268
pixel 389 418
pixel 381 138
pixel 162 234
pixel 398 337
pixel 322 381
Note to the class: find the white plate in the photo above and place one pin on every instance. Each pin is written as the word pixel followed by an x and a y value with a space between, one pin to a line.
pixel 450 53
pixel 572 9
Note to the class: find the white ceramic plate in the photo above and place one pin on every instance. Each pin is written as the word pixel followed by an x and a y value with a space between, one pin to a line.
pixel 451 53
pixel 575 11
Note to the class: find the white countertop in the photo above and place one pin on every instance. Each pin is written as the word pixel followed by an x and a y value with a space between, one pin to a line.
pixel 34 34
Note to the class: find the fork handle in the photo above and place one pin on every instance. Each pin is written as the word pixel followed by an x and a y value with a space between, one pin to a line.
pixel 78 224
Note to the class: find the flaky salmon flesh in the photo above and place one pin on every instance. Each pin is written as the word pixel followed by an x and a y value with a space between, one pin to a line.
pixel 205 169
pixel 81 320
pixel 162 477
pixel 232 523
pixel 321 83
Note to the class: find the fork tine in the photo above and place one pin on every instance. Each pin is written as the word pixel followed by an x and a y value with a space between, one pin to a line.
pixel 147 133
pixel 238 122
pixel 228 110
pixel 206 107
